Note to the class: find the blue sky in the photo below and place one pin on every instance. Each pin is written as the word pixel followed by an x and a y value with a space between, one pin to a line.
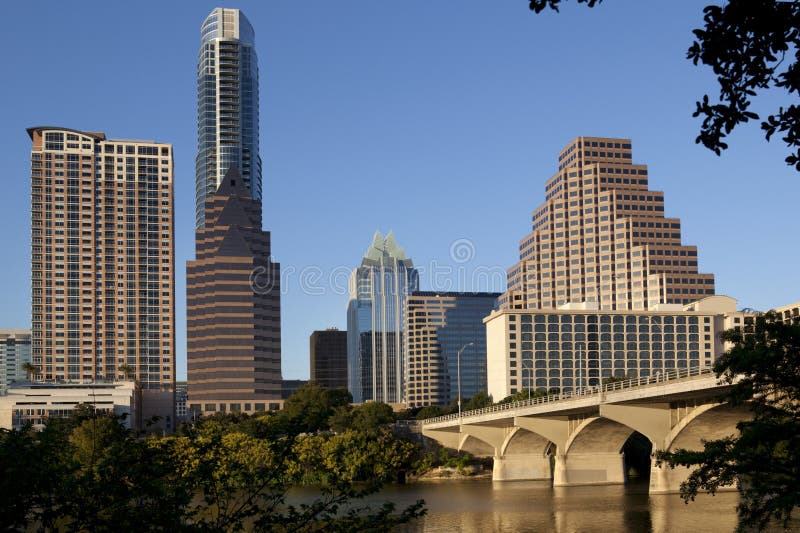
pixel 440 121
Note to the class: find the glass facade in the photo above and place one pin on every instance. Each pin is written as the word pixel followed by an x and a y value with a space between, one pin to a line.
pixel 378 290
pixel 438 325
pixel 227 105
pixel 15 351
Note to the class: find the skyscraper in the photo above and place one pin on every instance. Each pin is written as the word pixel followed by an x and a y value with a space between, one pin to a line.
pixel 227 106
pixel 103 261
pixel 378 289
pixel 233 307
pixel 601 236
pixel 328 353
pixel 437 326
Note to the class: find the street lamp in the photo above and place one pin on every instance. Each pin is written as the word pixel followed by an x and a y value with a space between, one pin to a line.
pixel 458 371
pixel 530 379
pixel 581 371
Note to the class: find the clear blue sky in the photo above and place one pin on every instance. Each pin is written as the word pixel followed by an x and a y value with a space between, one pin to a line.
pixel 438 120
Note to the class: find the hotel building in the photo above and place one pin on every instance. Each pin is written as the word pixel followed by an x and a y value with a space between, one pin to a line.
pixel 581 346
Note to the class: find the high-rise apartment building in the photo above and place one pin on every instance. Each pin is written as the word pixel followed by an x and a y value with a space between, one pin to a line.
pixel 103 261
pixel 233 306
pixel 601 236
pixel 227 106
pixel 439 325
pixel 15 351
pixel 328 354
pixel 378 289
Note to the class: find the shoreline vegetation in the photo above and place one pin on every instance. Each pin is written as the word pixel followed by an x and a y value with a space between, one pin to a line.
pixel 228 472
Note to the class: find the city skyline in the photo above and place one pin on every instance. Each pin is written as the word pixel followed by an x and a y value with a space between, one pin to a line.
pixel 469 129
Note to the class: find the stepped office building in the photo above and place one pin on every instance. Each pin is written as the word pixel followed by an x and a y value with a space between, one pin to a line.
pixel 602 236
pixel 103 262
pixel 233 307
pixel 437 326
pixel 378 290
pixel 227 106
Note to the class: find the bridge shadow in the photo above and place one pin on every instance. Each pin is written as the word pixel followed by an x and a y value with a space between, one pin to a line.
pixel 637 452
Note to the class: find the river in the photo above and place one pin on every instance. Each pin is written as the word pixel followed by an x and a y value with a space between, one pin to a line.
pixel 485 506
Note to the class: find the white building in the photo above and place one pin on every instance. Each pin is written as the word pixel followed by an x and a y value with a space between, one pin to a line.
pixel 36 402
pixel 581 346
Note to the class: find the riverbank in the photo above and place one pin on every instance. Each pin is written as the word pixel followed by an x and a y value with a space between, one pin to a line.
pixel 442 473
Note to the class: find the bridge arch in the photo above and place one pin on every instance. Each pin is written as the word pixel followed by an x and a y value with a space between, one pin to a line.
pixel 705 422
pixel 476 446
pixel 523 441
pixel 597 434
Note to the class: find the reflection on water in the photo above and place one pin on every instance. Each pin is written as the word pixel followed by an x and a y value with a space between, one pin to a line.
pixel 475 506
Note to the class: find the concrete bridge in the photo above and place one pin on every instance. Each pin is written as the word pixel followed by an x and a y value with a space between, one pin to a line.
pixel 577 439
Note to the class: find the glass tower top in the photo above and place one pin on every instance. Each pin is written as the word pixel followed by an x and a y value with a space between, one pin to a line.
pixel 227 105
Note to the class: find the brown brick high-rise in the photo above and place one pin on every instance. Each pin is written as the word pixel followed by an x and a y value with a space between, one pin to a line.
pixel 102 262
pixel 233 307
pixel 601 236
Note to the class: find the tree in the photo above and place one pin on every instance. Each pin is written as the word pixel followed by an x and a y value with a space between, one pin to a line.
pixel 30 370
pixel 127 371
pixel 309 409
pixel 752 46
pixel 429 411
pixel 763 369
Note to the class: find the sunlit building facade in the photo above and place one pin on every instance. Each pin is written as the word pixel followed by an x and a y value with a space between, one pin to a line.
pixel 602 236
pixel 103 266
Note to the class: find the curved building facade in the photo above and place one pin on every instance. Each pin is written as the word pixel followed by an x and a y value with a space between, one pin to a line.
pixel 227 106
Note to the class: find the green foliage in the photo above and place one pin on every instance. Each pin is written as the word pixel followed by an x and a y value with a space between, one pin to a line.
pixel 430 411
pixel 90 474
pixel 763 369
pixel 478 401
pixel 537 6
pixel 522 396
pixel 371 417
pixel 311 408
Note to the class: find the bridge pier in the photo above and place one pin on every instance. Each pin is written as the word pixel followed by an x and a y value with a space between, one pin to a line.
pixel 602 468
pixel 523 466
pixel 666 480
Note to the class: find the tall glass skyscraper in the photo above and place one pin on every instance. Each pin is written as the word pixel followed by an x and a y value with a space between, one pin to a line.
pixel 378 291
pixel 227 106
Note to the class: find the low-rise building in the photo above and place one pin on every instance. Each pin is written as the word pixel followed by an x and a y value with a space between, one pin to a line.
pixel 34 403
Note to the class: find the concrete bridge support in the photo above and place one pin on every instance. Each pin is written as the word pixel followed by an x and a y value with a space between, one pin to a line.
pixel 691 427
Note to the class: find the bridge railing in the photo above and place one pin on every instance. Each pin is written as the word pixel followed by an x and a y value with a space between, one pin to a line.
pixel 659 378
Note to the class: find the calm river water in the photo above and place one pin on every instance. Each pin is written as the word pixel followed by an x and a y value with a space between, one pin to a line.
pixel 485 506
